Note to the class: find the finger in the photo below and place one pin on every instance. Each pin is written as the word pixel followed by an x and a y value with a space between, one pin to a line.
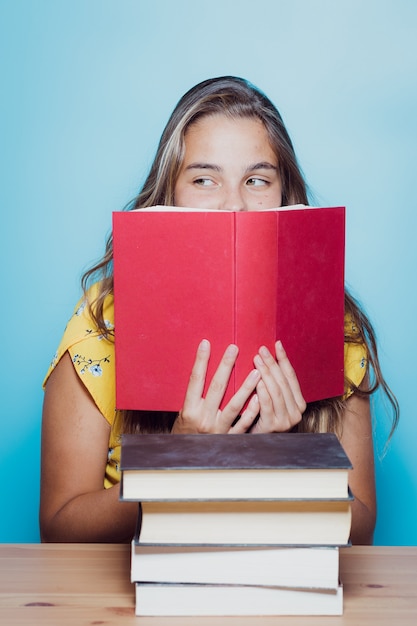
pixel 247 418
pixel 220 380
pixel 280 379
pixel 198 376
pixel 239 399
pixel 272 415
pixel 290 375
pixel 272 376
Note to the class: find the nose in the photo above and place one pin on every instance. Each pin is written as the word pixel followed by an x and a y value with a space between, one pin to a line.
pixel 233 199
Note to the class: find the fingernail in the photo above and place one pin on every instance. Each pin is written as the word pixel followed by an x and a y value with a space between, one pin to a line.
pixel 258 361
pixel 263 351
pixel 204 345
pixel 232 350
pixel 254 375
pixel 279 345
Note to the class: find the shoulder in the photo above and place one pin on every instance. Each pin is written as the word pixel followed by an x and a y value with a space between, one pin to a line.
pixel 81 326
pixel 92 353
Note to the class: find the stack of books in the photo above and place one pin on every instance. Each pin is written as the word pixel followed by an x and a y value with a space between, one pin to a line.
pixel 237 524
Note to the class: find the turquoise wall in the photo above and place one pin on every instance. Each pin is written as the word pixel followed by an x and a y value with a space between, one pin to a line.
pixel 87 86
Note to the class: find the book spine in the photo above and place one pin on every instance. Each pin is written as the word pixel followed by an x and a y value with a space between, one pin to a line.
pixel 255 286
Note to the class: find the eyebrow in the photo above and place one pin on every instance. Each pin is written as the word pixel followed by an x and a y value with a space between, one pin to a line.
pixel 262 165
pixel 203 166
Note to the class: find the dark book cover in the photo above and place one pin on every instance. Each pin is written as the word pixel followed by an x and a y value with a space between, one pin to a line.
pixel 217 451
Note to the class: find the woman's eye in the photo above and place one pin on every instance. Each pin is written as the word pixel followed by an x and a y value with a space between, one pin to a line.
pixel 203 182
pixel 256 182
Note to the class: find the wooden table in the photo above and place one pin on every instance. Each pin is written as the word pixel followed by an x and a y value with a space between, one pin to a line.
pixel 73 584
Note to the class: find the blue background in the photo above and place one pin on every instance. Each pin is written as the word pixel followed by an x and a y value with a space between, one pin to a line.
pixel 87 86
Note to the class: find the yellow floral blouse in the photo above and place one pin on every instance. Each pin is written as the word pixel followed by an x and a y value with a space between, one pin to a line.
pixel 93 359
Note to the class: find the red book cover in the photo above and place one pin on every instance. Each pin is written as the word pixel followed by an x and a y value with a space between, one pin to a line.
pixel 248 278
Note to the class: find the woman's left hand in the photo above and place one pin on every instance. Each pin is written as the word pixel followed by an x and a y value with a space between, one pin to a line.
pixel 281 402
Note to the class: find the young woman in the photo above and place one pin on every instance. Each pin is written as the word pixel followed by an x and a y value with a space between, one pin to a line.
pixel 225 147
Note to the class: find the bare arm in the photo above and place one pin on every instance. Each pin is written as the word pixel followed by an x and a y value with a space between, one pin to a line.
pixel 358 444
pixel 75 507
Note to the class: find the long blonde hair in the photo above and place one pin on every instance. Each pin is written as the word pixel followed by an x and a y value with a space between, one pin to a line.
pixel 236 98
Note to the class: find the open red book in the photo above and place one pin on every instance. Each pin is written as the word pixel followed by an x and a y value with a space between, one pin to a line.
pixel 249 278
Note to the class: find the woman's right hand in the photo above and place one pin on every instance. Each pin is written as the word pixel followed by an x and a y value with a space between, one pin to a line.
pixel 203 414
